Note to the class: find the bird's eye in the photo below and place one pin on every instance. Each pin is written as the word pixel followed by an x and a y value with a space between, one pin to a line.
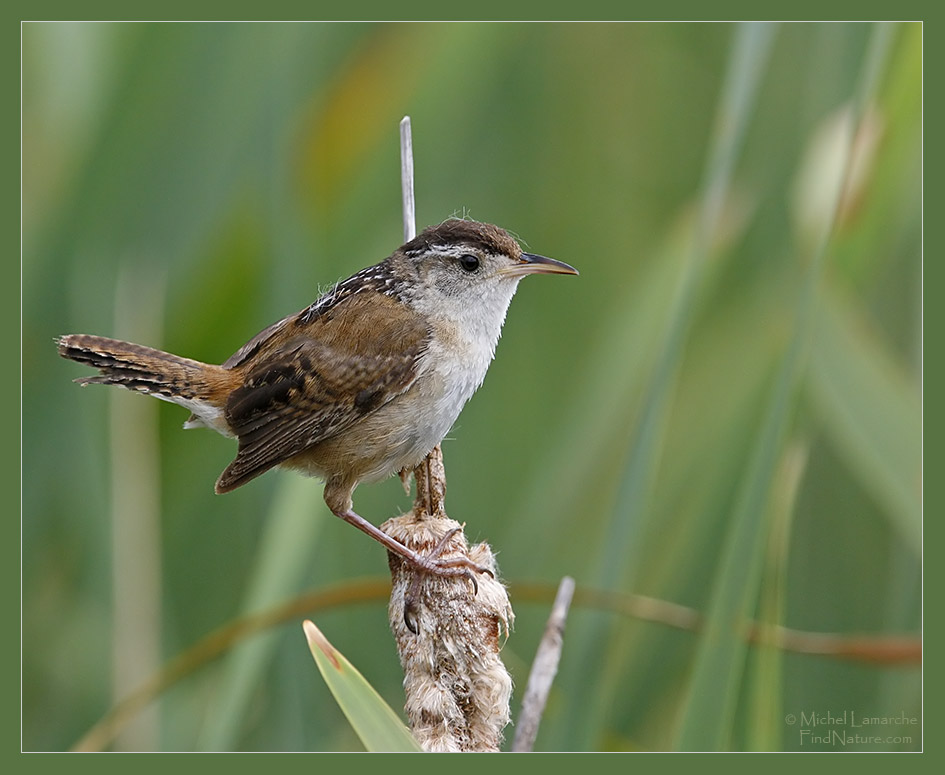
pixel 469 262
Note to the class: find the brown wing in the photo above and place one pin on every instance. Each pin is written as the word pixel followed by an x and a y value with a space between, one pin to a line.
pixel 312 379
pixel 253 346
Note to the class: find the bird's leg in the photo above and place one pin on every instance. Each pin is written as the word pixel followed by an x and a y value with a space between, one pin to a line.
pixel 337 495
pixel 431 563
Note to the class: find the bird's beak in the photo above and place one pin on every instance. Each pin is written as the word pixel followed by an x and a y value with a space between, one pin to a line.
pixel 529 263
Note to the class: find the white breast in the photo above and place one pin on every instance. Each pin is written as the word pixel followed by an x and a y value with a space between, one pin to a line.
pixel 450 371
pixel 399 434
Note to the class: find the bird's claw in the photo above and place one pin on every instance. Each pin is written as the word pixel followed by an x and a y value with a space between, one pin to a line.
pixel 431 563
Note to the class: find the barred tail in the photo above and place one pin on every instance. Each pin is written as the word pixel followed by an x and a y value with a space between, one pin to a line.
pixel 144 369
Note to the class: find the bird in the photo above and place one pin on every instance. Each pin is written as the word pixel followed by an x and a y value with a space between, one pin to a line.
pixel 361 384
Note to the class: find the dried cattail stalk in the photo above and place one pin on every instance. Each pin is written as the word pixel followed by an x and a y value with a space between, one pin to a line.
pixel 448 630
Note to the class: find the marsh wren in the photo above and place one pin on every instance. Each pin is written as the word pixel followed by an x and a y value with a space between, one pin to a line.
pixel 361 384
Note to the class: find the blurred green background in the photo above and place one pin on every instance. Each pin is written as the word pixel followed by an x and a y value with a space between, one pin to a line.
pixel 721 413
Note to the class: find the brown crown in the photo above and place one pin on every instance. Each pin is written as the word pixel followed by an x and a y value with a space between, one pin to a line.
pixel 455 231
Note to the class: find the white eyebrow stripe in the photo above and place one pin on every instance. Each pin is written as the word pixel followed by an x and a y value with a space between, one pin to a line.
pixel 451 250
